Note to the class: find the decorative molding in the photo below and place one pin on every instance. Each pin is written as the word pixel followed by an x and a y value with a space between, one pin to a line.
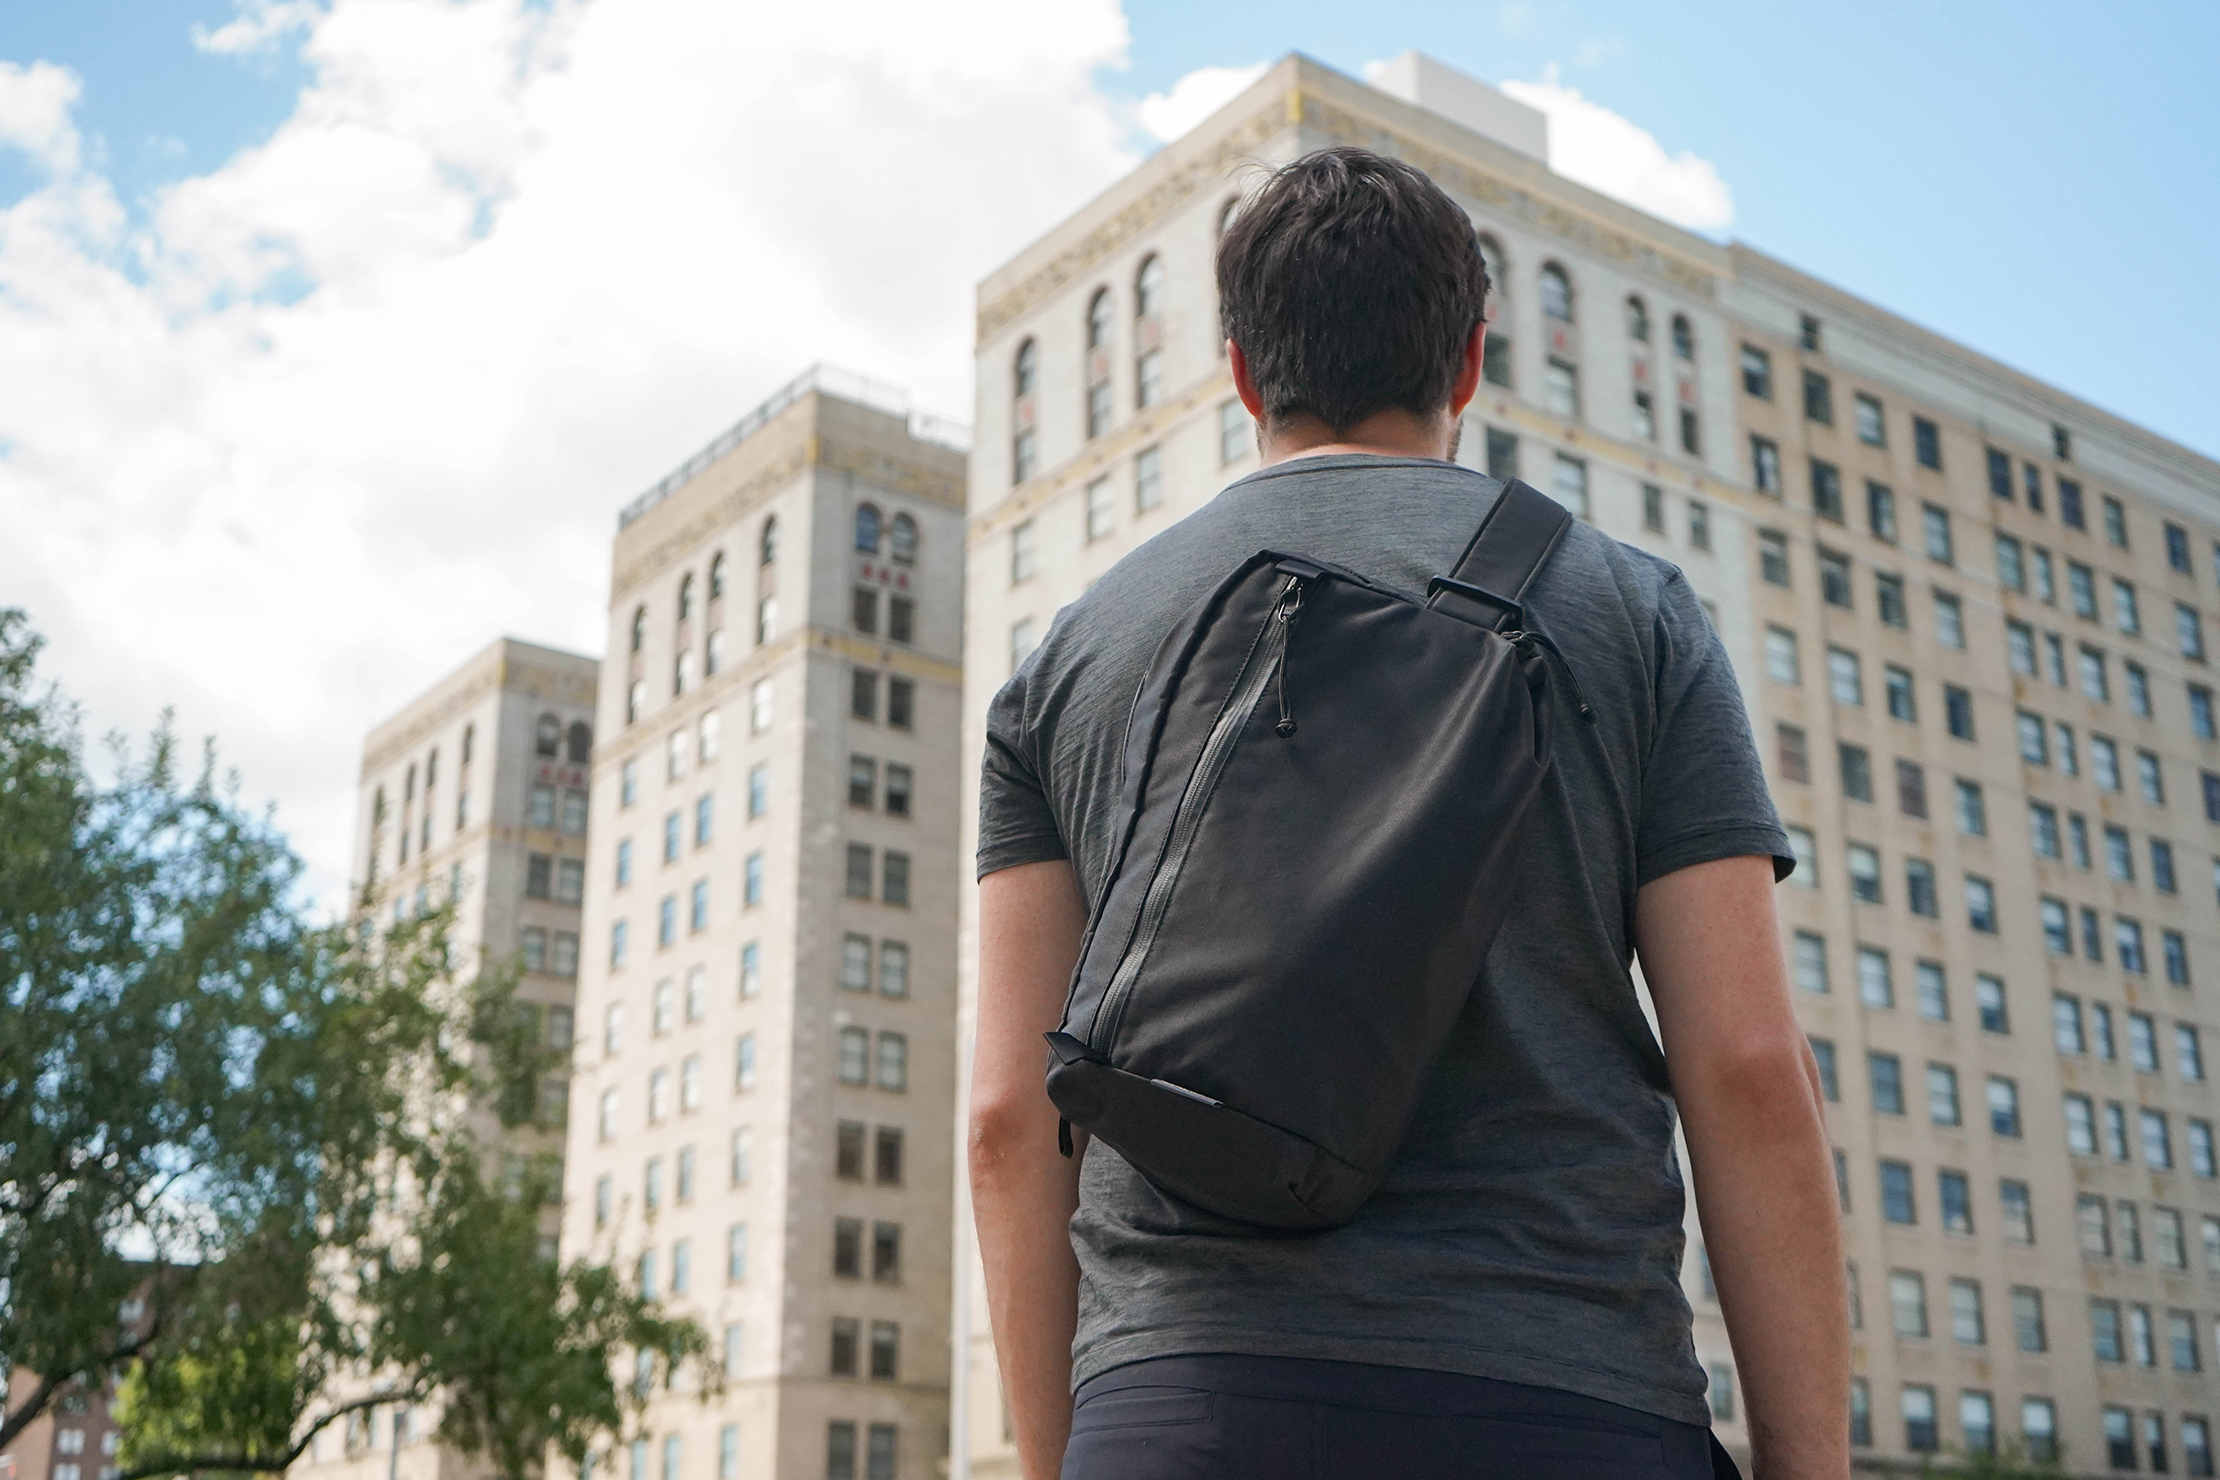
pixel 1457 174
pixel 383 750
pixel 895 474
pixel 893 659
pixel 1138 216
pixel 544 682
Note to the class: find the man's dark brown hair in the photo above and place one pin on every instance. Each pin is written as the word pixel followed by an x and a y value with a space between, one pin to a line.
pixel 1351 284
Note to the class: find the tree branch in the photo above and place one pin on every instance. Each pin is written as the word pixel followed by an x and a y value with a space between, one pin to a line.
pixel 266 1464
pixel 32 1406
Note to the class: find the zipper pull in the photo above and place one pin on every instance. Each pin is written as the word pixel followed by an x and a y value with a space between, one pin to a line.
pixel 1291 606
pixel 1541 642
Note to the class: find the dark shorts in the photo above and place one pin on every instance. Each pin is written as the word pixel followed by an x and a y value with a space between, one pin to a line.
pixel 1279 1418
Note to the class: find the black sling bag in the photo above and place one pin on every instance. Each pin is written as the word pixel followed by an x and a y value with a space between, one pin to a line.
pixel 1324 786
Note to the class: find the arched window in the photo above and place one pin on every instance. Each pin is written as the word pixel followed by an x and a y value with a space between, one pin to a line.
pixel 1557 293
pixel 1148 288
pixel 768 546
pixel 1024 444
pixel 470 736
pixel 639 629
pixel 902 539
pixel 580 742
pixel 1098 320
pixel 686 596
pixel 717 576
pixel 1637 319
pixel 1098 363
pixel 1684 337
pixel 547 736
pixel 867 528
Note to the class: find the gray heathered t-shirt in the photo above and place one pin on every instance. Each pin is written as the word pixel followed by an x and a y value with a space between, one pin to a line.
pixel 1530 1228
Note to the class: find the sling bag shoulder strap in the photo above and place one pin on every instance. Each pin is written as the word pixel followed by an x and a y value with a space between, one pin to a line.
pixel 1490 582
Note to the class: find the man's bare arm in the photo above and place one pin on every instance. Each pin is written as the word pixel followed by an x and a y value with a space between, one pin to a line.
pixel 1023 1190
pixel 1750 1104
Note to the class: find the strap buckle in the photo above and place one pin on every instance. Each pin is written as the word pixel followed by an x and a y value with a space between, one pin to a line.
pixel 1502 606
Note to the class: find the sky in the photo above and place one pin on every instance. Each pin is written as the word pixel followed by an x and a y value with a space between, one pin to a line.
pixel 334 332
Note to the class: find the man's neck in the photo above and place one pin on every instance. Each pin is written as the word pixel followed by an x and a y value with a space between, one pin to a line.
pixel 1383 434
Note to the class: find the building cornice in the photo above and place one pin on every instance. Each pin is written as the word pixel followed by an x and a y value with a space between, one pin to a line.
pixel 506 664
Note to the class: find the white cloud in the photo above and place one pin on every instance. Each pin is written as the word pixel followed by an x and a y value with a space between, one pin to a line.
pixel 34 113
pixel 288 445
pixel 1598 148
pixel 1195 97
pixel 259 25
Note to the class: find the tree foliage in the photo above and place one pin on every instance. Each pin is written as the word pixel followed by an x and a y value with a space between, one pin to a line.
pixel 258 1128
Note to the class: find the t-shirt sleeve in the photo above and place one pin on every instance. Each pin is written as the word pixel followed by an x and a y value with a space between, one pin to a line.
pixel 1703 791
pixel 1016 823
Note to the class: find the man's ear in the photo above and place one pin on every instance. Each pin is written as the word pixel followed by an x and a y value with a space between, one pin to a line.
pixel 1244 384
pixel 1467 384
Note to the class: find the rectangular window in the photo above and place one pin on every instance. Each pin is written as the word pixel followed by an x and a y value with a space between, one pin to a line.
pixel 1805 849
pixel 1765 465
pixel 1927 442
pixel 1885 1080
pixel 2115 523
pixel 894 1059
pixel 1645 416
pixel 887 1158
pixel 1935 523
pixel 1880 511
pixel 1699 525
pixel 1919 888
pixel 2017 1210
pixel 1780 657
pixel 1871 429
pixel 1808 961
pixel 1826 491
pixel 2201 1159
pixel 2094 684
pixel 2081 581
pixel 1773 556
pixel 1861 1414
pixel 2095 1226
pixel 1911 789
pixel 1561 387
pixel 2189 1053
pixel 2158 1141
pixel 1834 578
pixel 895 878
pixel 2138 688
pixel 1819 399
pixel 1907 1299
pixel 1495 361
pixel 1902 704
pixel 1874 986
pixel 743 1062
pixel 1980 904
pixel 1025 552
pixel 1888 598
pixel 2058 935
pixel 2069 504
pixel 2177 548
pixel 1968 1323
pixel 2000 473
pixel 1794 756
pixel 2019 648
pixel 1950 620
pixel 751 880
pixel 2004 1106
pixel 1933 988
pixel 1757 372
pixel 2127 615
pixel 848 1142
pixel 1942 1102
pixel 1503 450
pixel 1148 478
pixel 858 878
pixel 1958 711
pixel 1569 485
pixel 1865 872
pixel 1843 681
pixel 1855 763
pixel 1896 1194
pixel 2011 563
pixel 855 1056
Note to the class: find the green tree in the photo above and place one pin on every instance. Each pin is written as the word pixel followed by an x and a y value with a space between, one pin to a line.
pixel 256 1129
pixel 2009 1461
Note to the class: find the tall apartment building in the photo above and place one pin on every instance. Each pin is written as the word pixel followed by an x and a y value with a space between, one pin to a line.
pixel 475 792
pixel 764 1073
pixel 1968 613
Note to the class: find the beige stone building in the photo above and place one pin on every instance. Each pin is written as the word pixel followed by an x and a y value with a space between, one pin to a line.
pixel 1968 612
pixel 764 1074
pixel 475 792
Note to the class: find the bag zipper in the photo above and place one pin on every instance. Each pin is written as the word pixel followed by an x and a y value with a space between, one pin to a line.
pixel 1248 690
